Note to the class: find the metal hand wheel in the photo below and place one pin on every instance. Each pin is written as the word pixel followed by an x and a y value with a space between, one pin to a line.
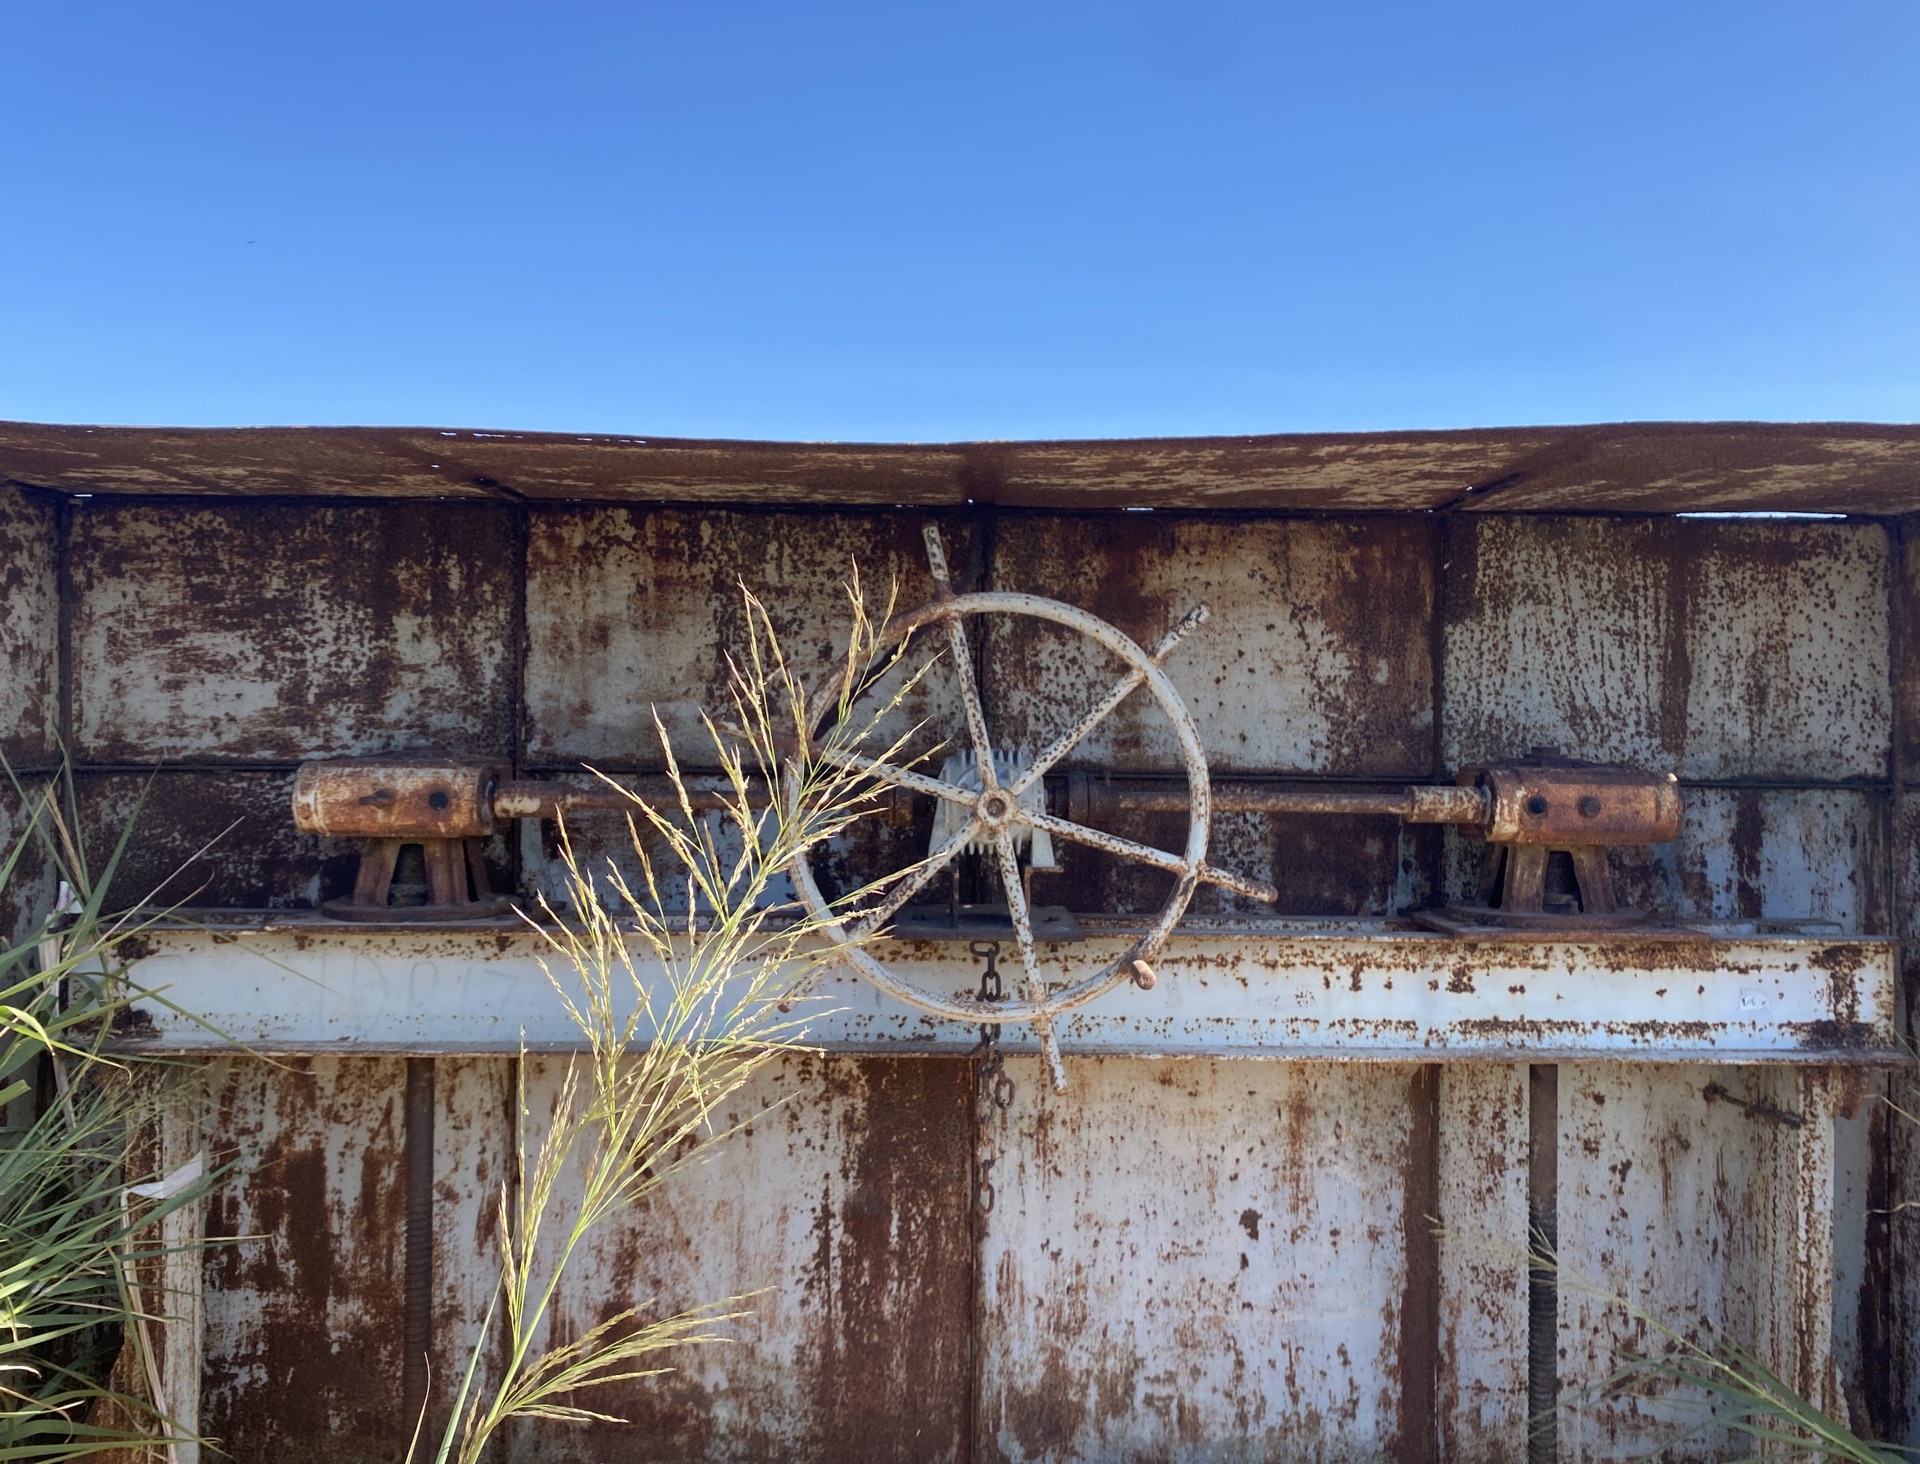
pixel 994 810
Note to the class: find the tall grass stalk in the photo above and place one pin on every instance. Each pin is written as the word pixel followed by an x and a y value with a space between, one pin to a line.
pixel 72 1236
pixel 676 1013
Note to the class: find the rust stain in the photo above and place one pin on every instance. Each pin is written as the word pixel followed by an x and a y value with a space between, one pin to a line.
pixel 283 631
pixel 302 1346
pixel 29 628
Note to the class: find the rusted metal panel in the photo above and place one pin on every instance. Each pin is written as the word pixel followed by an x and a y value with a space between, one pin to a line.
pixel 630 611
pixel 1650 467
pixel 302 1349
pixel 29 629
pixel 1786 639
pixel 1321 866
pixel 30 894
pixel 476 1107
pixel 1906 640
pixel 214 838
pixel 1890 1294
pixel 1727 652
pixel 1242 1303
pixel 1711 649
pixel 274 632
pixel 1316 657
pixel 844 1204
pixel 1483 1288
pixel 1692 1210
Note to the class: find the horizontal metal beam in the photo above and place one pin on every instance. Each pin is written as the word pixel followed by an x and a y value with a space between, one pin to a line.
pixel 1360 990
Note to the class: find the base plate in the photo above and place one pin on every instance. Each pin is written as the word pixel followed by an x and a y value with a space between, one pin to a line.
pixel 494 907
pixel 1051 924
pixel 1484 923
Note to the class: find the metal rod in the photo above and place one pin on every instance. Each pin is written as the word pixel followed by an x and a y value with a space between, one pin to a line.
pixel 1080 796
pixel 530 798
pixel 1095 799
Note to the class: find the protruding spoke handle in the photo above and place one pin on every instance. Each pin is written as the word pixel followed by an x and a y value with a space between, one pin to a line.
pixel 1035 983
pixel 1050 1049
pixel 937 562
pixel 970 698
pixel 962 660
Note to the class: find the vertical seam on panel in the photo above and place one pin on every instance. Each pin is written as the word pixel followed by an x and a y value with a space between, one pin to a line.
pixel 63 630
pixel 519 554
pixel 1419 1358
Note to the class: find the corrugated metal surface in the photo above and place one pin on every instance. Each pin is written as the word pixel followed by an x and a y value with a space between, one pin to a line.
pixel 1106 1306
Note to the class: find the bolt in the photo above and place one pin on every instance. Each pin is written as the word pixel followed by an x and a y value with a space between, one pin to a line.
pixel 1536 805
pixel 1589 807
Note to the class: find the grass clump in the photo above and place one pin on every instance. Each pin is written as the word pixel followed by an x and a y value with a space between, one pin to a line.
pixel 676 1013
pixel 79 1220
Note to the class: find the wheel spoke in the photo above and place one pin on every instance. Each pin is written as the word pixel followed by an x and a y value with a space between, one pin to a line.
pixel 1121 690
pixel 970 695
pixel 1102 840
pixel 1069 739
pixel 1146 854
pixel 916 880
pixel 898 777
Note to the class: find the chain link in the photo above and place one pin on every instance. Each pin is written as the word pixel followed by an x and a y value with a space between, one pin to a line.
pixel 994 1088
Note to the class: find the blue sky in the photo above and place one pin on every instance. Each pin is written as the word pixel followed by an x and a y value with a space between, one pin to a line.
pixel 918 222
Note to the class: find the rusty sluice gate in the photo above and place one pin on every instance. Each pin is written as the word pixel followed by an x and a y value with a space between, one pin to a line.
pixel 1549 824
pixel 1176 1255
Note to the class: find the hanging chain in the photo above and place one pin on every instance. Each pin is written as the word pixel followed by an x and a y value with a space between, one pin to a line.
pixel 993 1094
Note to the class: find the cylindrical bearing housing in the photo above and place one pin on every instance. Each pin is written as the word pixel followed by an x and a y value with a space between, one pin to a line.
pixel 396 798
pixel 1568 806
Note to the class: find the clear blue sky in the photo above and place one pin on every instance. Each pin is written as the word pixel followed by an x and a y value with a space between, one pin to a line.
pixel 919 222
